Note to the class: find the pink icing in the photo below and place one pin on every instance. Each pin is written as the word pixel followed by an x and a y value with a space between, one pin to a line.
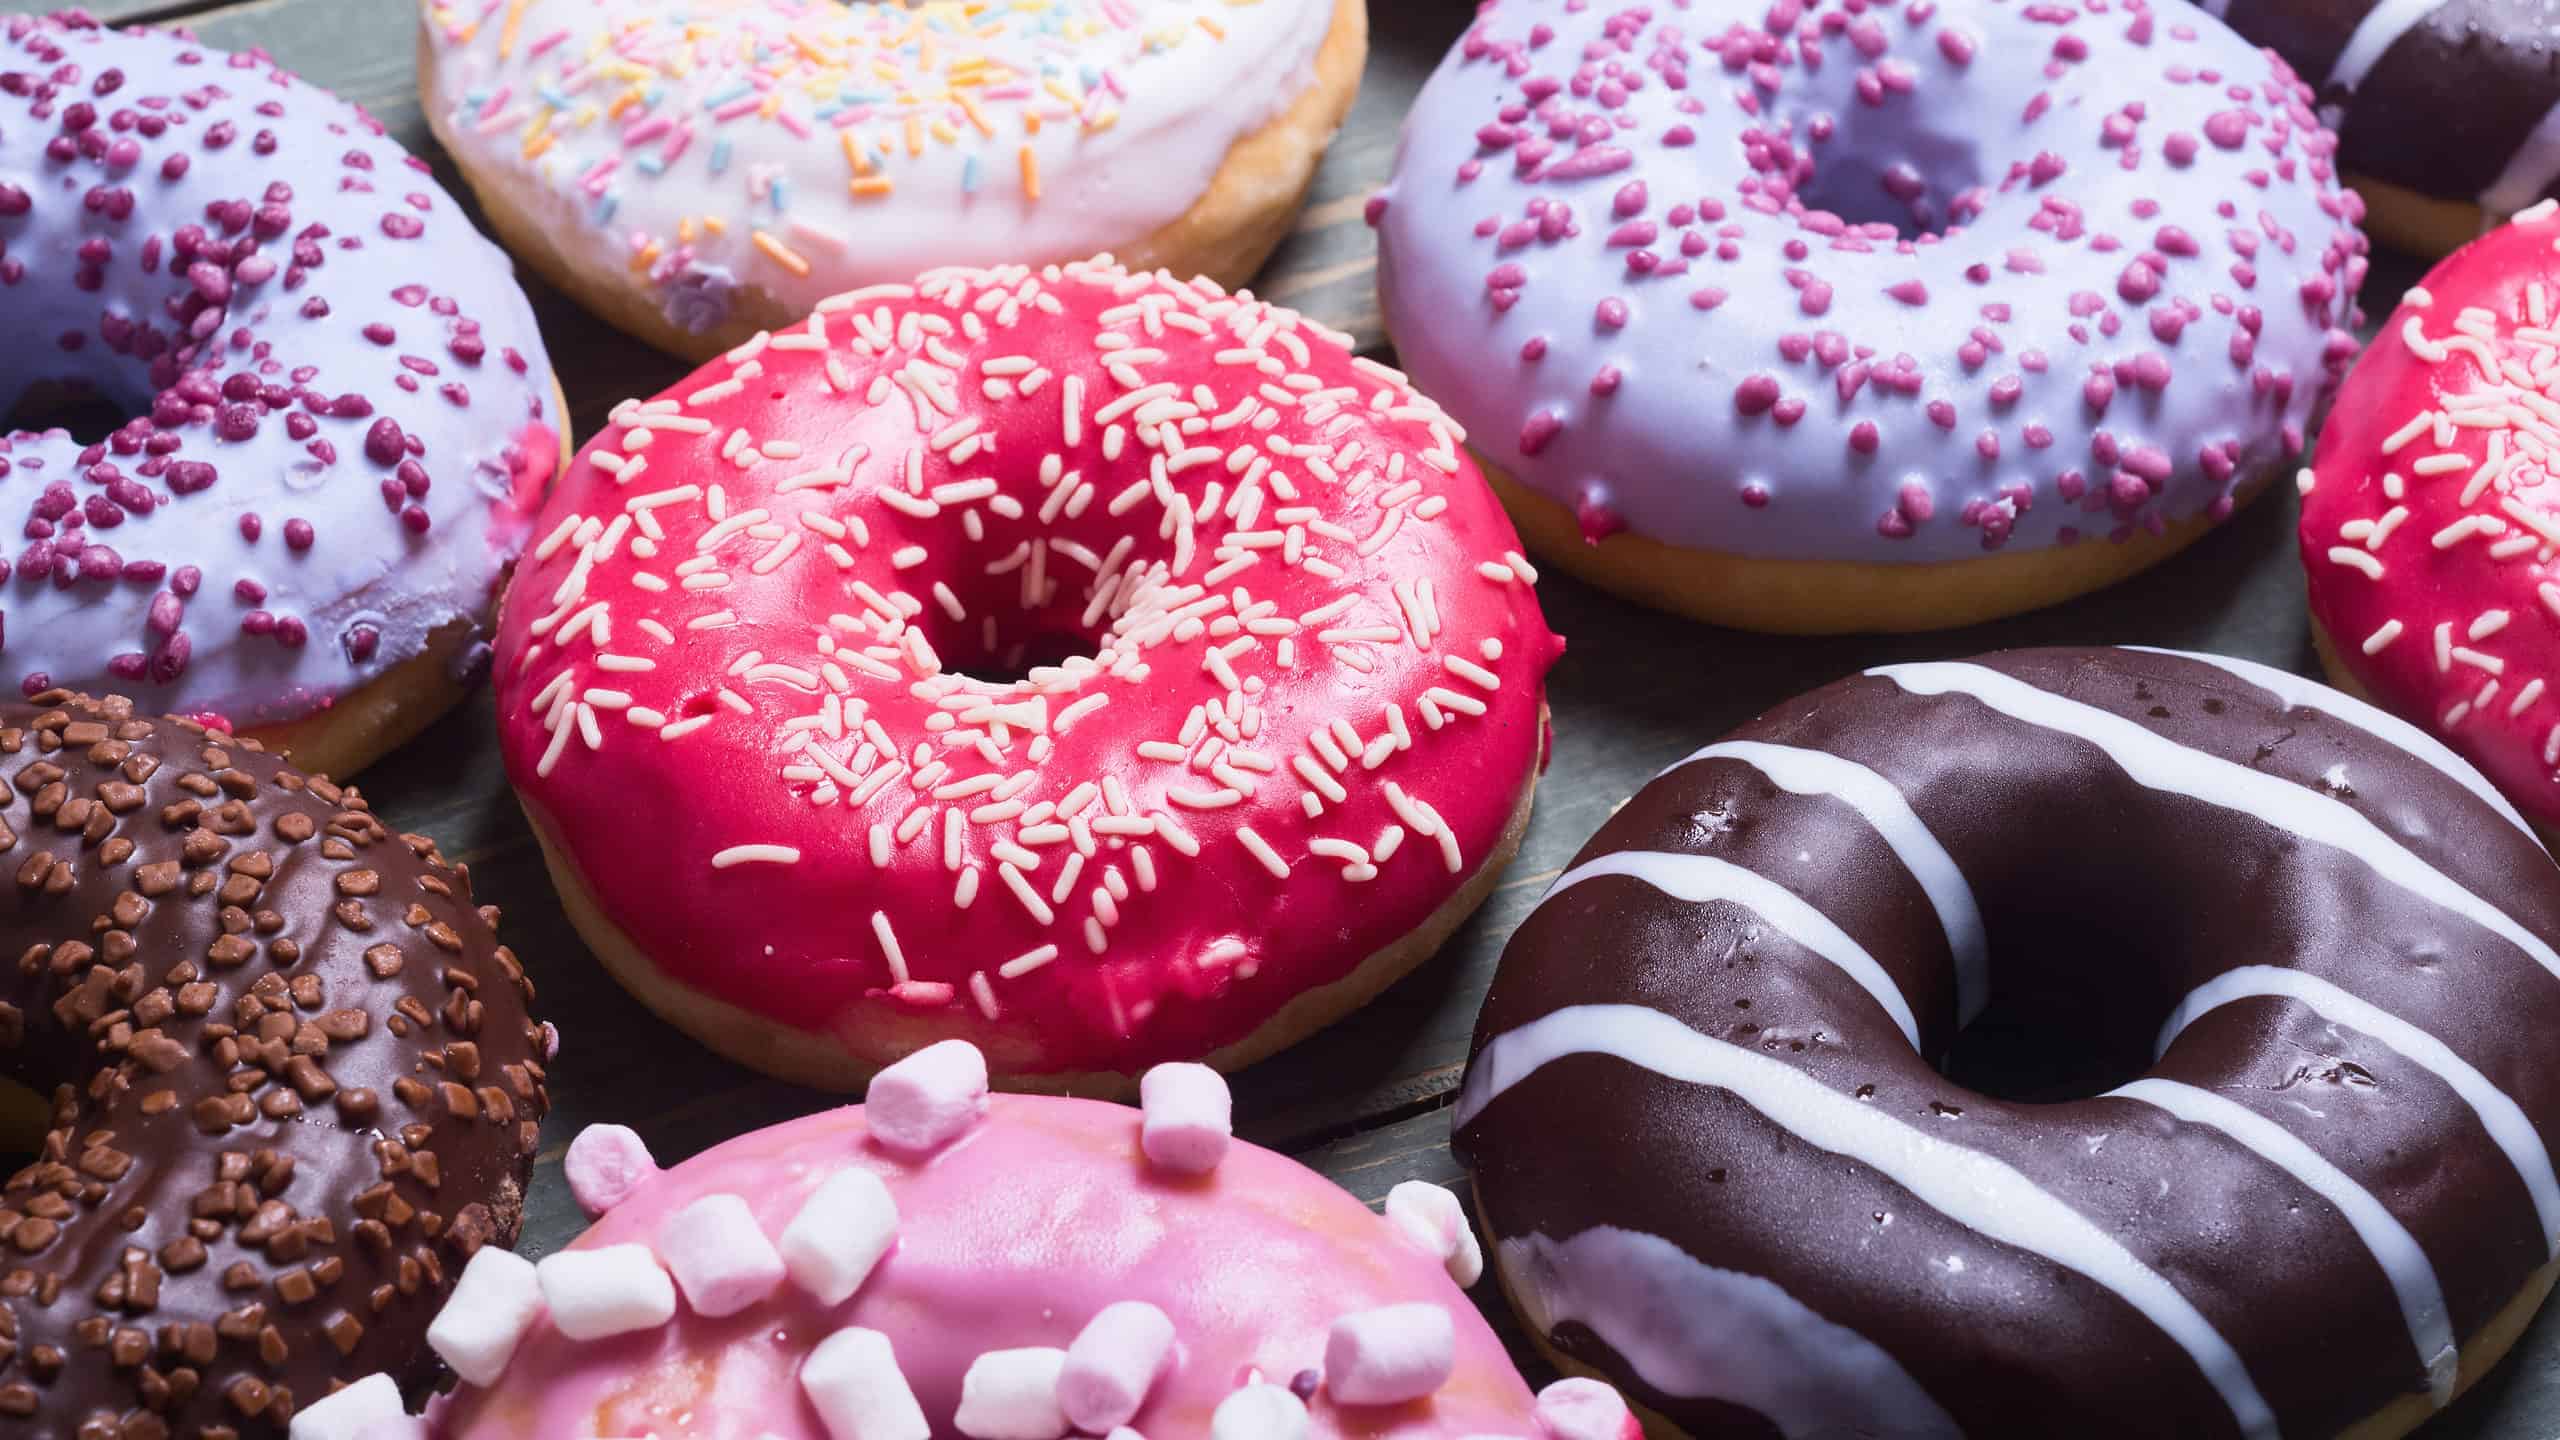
pixel 800 805
pixel 2444 599
pixel 1015 1235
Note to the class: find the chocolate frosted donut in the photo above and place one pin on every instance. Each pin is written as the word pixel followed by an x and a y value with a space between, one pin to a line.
pixel 294 1082
pixel 1707 1133
pixel 2447 111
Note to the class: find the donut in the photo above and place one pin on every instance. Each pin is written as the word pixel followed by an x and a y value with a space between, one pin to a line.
pixel 2448 116
pixel 696 172
pixel 2288 962
pixel 294 1086
pixel 2428 533
pixel 1094 666
pixel 341 415
pixel 945 1262
pixel 2041 321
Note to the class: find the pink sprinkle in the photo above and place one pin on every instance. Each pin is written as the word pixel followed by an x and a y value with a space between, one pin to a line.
pixel 1539 430
pixel 1909 292
pixel 1756 394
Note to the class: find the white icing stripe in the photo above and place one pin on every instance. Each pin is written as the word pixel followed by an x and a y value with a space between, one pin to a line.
pixel 2509 1128
pixel 2164 764
pixel 2529 171
pixel 2295 691
pixel 1700 878
pixel 2381 26
pixel 1816 772
pixel 1690 1329
pixel 2403 1260
pixel 1974 1190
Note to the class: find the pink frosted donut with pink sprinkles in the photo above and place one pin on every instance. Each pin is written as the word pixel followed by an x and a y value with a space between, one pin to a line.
pixel 2431 511
pixel 1841 316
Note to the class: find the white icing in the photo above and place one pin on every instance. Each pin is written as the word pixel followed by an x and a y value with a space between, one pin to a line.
pixel 1159 101
pixel 2299 693
pixel 2529 171
pixel 1817 772
pixel 1701 878
pixel 2403 1260
pixel 2500 1115
pixel 2381 27
pixel 1690 1329
pixel 1975 1190
pixel 2163 764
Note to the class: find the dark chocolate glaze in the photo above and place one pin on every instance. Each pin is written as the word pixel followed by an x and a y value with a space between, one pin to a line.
pixel 295 1084
pixel 2105 902
pixel 2447 104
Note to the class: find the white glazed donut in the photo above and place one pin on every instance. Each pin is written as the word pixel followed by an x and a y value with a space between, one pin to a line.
pixel 696 173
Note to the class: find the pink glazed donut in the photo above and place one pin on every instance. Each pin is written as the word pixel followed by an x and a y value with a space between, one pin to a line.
pixel 2431 512
pixel 1096 666
pixel 941 1262
pixel 341 414
pixel 1841 315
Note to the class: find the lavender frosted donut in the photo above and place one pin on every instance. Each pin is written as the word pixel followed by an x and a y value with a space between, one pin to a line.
pixel 1846 316
pixel 342 415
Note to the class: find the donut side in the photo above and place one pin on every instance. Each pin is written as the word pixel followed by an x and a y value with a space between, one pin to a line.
pixel 295 1085
pixel 1225 231
pixel 846 1060
pixel 2201 873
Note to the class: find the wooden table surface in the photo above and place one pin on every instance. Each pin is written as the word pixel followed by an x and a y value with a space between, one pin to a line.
pixel 1366 1101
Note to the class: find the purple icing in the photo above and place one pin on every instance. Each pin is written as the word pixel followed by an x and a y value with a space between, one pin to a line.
pixel 1858 281
pixel 294 314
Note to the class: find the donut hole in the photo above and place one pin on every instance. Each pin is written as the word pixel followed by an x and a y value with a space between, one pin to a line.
pixel 1001 633
pixel 2043 1040
pixel 87 412
pixel 1913 183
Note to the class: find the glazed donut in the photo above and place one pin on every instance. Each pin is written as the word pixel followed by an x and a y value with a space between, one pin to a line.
pixel 342 416
pixel 1275 717
pixel 1703 1086
pixel 294 1085
pixel 2448 116
pixel 2092 292
pixel 695 173
pixel 2428 533
pixel 1002 1269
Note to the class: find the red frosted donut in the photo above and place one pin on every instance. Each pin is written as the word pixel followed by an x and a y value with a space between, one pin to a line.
pixel 2430 516
pixel 1099 667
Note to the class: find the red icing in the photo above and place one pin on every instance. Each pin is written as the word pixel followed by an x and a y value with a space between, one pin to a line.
pixel 2483 566
pixel 1219 943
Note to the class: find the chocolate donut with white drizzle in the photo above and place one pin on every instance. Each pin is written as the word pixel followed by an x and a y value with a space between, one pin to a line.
pixel 1707 1134
pixel 2447 111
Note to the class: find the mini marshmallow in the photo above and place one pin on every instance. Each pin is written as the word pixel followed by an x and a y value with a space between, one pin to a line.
pixel 925 1101
pixel 1579 1409
pixel 1390 1355
pixel 1012 1395
pixel 718 1255
pixel 1189 1117
pixel 1259 1412
pixel 370 1407
pixel 494 1303
pixel 605 1164
pixel 853 1381
pixel 842 1230
pixel 1430 1217
pixel 610 1290
pixel 1113 1363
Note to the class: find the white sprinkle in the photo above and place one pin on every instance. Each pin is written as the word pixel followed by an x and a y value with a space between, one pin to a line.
pixel 756 855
